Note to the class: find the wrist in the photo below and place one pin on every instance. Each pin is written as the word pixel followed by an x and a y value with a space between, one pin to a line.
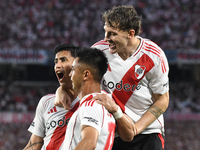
pixel 118 114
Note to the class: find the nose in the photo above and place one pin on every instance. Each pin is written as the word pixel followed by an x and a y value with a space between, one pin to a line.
pixel 58 64
pixel 106 38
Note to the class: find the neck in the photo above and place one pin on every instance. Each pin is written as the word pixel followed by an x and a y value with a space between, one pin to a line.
pixel 130 49
pixel 71 94
pixel 88 88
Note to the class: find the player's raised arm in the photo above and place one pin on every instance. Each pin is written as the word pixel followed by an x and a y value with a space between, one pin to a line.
pixel 62 98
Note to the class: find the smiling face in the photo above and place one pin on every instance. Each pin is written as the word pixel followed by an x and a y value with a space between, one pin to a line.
pixel 117 39
pixel 63 62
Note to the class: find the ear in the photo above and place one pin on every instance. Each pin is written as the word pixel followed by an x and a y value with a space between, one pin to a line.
pixel 86 74
pixel 131 33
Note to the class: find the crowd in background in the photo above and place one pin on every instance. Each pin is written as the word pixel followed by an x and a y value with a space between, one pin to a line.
pixel 184 97
pixel 179 136
pixel 16 98
pixel 40 24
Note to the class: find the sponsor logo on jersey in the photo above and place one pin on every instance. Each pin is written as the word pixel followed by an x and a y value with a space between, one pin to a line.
pixel 90 119
pixel 62 122
pixel 139 71
pixel 121 86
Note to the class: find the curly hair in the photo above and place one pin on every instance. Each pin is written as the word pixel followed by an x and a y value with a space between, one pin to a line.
pixel 124 18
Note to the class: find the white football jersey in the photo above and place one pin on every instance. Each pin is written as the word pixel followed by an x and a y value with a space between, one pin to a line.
pixel 51 121
pixel 95 115
pixel 132 81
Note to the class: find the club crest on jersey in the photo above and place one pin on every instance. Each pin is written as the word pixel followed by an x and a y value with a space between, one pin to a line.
pixel 139 71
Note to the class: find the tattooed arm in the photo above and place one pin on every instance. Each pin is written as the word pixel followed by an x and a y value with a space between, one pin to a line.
pixel 35 143
pixel 158 108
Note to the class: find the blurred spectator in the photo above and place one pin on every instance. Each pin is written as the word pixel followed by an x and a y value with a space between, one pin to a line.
pixel 184 97
pixel 43 24
pixel 15 98
pixel 180 135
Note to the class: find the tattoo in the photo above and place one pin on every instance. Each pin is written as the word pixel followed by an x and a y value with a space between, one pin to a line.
pixel 156 111
pixel 32 144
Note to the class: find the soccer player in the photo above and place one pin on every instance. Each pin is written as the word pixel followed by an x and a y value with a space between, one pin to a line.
pixel 137 78
pixel 49 125
pixel 91 126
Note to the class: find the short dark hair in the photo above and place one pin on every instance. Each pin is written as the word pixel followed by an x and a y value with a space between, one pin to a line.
pixel 124 18
pixel 66 47
pixel 95 59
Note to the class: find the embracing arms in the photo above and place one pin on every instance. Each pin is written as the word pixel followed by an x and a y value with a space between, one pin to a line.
pixel 125 126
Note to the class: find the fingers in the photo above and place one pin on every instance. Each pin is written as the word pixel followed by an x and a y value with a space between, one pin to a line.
pixel 66 104
pixel 57 102
pixel 100 97
pixel 107 102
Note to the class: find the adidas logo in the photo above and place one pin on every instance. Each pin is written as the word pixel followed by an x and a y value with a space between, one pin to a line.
pixel 52 110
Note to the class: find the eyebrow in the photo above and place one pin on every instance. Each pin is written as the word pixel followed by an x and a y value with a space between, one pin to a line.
pixel 61 58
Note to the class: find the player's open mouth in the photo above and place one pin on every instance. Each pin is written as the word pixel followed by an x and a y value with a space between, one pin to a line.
pixel 112 45
pixel 60 75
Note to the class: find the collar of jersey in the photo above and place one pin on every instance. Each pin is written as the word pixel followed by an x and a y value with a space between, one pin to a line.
pixel 88 97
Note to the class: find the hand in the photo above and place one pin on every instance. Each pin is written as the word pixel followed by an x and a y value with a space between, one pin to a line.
pixel 107 102
pixel 62 99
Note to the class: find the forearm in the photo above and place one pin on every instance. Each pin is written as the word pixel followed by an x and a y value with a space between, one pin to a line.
pixel 158 108
pixel 35 143
pixel 126 128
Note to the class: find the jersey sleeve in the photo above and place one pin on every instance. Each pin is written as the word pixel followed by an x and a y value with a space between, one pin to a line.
pixel 38 127
pixel 92 115
pixel 102 45
pixel 159 82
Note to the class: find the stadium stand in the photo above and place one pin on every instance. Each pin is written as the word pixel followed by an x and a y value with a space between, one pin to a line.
pixel 37 25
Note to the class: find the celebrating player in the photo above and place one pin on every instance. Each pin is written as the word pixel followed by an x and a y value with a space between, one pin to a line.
pixel 49 125
pixel 137 78
pixel 91 126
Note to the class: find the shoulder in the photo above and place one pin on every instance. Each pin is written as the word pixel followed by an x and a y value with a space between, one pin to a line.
pixel 156 54
pixel 102 45
pixel 47 99
pixel 151 48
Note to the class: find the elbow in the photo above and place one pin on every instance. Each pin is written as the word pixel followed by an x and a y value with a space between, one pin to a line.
pixel 128 138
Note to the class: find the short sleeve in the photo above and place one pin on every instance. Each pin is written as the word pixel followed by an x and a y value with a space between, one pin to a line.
pixel 92 115
pixel 38 127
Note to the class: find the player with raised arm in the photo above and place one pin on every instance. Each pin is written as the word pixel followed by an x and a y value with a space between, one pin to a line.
pixel 91 126
pixel 49 125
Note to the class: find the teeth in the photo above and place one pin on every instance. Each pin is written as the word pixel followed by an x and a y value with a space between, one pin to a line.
pixel 59 72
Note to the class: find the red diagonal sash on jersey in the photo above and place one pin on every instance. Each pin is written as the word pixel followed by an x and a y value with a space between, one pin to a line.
pixel 121 96
pixel 59 133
